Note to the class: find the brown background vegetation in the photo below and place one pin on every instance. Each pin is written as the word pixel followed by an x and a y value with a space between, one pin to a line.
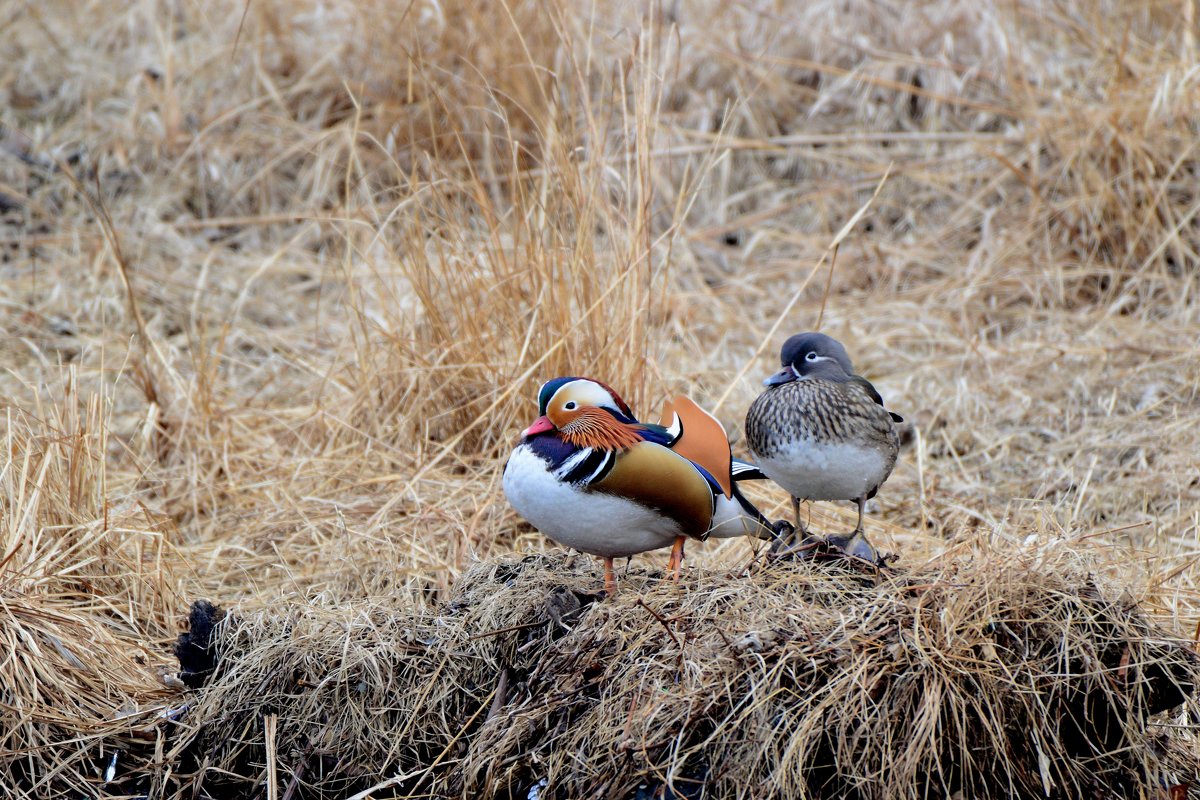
pixel 279 281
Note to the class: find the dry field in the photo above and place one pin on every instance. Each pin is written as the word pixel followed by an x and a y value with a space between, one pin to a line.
pixel 278 282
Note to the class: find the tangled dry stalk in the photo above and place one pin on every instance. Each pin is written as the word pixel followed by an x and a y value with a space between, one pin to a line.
pixel 277 282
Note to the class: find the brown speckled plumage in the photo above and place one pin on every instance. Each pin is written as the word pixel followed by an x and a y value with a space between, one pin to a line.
pixel 822 433
pixel 821 411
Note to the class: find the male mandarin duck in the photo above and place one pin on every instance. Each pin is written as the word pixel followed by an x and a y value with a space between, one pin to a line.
pixel 590 476
pixel 822 432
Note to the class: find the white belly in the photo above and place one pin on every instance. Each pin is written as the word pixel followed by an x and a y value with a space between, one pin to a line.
pixel 729 520
pixel 813 471
pixel 596 523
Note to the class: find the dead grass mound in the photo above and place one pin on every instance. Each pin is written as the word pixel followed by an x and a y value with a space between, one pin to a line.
pixel 1014 675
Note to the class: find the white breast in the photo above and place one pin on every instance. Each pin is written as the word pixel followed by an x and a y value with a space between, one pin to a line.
pixel 593 522
pixel 826 471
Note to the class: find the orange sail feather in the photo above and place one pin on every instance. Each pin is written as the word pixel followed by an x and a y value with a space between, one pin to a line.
pixel 703 440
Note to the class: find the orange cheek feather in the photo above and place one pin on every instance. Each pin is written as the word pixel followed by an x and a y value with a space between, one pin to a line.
pixel 591 427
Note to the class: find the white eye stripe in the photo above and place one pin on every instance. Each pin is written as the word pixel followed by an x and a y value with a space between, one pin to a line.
pixel 588 393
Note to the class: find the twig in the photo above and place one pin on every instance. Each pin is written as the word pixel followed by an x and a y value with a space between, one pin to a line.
pixel 828 286
pixel 501 694
pixel 237 37
pixel 509 629
pixel 269 722
pixel 298 773
pixel 661 621
pixel 1118 529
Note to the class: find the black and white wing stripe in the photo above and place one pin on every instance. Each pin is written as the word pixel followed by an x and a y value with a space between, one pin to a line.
pixel 745 471
pixel 586 467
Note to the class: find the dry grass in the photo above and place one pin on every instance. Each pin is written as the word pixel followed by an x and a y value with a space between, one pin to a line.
pixel 1007 675
pixel 279 280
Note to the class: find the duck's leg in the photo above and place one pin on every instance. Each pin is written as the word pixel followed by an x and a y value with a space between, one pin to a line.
pixel 796 541
pixel 610 579
pixel 855 543
pixel 676 558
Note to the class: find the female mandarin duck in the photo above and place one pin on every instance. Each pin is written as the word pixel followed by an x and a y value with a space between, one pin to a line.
pixel 822 433
pixel 588 475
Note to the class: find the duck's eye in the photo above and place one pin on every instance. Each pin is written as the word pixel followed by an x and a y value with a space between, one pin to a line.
pixel 811 357
pixel 570 406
